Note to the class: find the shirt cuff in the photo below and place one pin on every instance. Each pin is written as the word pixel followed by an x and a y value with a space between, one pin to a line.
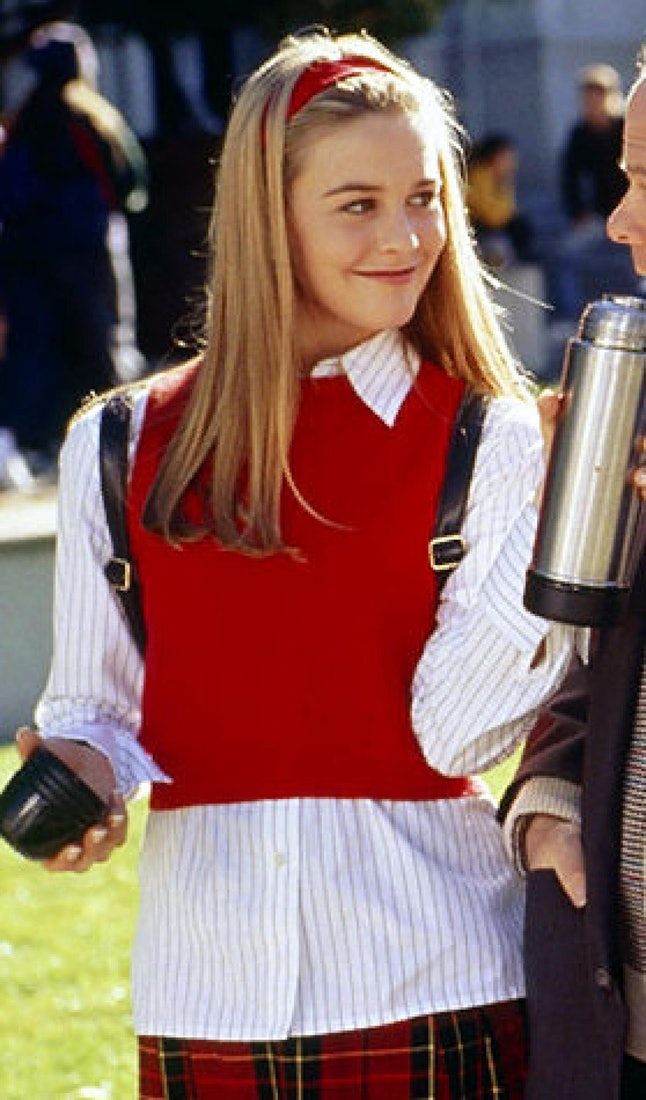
pixel 131 764
pixel 541 795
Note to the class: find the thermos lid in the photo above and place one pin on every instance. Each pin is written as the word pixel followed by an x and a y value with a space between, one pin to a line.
pixel 615 322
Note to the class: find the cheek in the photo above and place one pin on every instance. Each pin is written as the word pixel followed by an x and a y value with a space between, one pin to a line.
pixel 336 251
pixel 436 236
pixel 306 240
pixel 304 257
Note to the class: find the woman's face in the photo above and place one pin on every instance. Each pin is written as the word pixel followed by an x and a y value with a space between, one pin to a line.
pixel 366 229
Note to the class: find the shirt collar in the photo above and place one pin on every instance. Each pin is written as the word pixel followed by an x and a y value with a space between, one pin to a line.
pixel 381 372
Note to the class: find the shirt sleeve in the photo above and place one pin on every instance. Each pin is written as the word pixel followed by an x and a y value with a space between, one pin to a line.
pixel 483 671
pixel 93 692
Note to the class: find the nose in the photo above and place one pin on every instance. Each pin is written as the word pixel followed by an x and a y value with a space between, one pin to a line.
pixel 616 224
pixel 623 226
pixel 399 233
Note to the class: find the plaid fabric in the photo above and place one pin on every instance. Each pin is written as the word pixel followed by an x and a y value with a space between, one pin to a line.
pixel 632 873
pixel 476 1054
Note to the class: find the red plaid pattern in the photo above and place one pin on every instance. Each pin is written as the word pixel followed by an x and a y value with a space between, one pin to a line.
pixel 476 1054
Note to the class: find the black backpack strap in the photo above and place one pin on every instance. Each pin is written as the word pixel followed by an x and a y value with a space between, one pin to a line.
pixel 113 461
pixel 447 547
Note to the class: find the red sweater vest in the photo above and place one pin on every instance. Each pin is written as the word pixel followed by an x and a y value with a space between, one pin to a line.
pixel 274 677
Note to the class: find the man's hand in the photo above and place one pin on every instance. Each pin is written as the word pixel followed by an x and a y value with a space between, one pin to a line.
pixel 550 843
pixel 95 769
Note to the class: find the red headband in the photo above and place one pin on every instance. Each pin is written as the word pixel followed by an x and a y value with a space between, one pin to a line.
pixel 323 74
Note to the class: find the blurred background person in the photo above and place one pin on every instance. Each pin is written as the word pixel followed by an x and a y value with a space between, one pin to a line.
pixel 70 169
pixel 506 242
pixel 504 235
pixel 591 186
pixel 592 182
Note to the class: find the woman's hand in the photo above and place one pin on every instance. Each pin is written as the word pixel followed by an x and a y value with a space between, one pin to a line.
pixel 95 769
pixel 550 843
pixel 549 405
pixel 639 473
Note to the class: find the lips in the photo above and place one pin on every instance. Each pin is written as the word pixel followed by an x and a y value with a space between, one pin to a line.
pixel 400 275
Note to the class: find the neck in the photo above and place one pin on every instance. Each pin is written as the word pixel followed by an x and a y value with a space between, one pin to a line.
pixel 313 346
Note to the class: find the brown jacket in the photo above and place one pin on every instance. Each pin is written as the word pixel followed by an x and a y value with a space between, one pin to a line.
pixel 574 976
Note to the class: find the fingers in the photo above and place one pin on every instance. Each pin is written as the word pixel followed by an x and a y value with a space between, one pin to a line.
pixel 639 473
pixel 97 844
pixel 554 844
pixel 27 741
pixel 549 404
pixel 87 762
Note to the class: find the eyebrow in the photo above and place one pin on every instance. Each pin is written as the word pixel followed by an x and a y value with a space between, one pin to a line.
pixel 372 187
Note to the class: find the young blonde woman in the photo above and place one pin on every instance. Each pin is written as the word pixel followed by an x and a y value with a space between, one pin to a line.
pixel 326 910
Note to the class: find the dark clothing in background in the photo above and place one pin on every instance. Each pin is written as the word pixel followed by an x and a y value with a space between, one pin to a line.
pixel 591 180
pixel 65 169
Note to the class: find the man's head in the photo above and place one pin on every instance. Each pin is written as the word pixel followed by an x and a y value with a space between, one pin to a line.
pixel 627 223
pixel 497 152
pixel 600 90
pixel 60 52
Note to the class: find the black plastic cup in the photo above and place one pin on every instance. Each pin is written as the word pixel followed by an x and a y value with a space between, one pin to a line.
pixel 46 806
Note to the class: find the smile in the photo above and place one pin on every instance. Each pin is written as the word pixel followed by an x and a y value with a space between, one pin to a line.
pixel 401 275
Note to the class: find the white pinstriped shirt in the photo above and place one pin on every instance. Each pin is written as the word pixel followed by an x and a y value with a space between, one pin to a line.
pixel 297 916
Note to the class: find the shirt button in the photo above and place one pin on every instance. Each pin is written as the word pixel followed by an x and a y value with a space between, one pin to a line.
pixel 603 978
pixel 279 859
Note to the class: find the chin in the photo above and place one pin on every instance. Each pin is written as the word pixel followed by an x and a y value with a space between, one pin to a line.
pixel 401 317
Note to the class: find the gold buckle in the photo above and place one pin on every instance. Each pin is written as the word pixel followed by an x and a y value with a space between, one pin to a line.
pixel 121 584
pixel 443 540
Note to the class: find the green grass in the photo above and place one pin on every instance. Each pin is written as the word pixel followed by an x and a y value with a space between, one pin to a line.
pixel 65 1024
pixel 500 777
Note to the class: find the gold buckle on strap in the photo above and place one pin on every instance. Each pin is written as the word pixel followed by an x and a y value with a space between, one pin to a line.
pixel 445 541
pixel 119 574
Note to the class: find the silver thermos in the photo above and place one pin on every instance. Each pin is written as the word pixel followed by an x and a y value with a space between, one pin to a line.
pixel 584 557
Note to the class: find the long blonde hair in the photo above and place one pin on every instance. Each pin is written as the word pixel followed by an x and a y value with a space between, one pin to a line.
pixel 244 400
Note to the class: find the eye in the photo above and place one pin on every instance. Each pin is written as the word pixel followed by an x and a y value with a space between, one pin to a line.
pixel 358 206
pixel 426 197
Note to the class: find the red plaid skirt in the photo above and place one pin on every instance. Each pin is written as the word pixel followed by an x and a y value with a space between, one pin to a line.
pixel 475 1054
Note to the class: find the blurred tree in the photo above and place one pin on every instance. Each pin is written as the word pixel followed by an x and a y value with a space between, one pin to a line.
pixel 19 18
pixel 386 19
pixel 168 15
pixel 160 20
